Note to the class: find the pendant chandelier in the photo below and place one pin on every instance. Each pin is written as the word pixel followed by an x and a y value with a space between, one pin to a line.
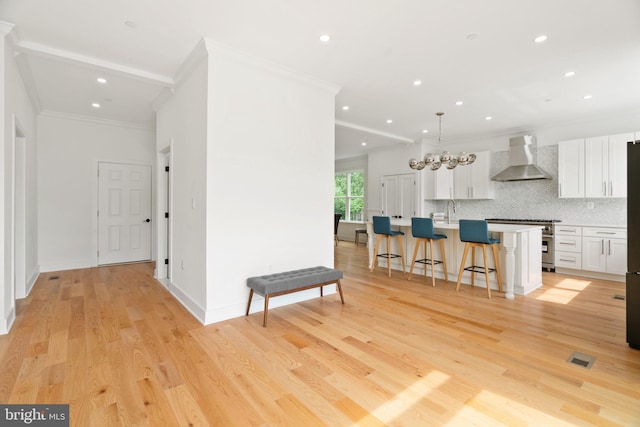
pixel 434 161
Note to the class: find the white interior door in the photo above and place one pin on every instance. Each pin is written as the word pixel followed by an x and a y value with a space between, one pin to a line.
pixel 124 213
pixel 398 195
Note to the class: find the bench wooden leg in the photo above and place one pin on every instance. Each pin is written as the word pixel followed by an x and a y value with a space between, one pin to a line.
pixel 266 310
pixel 340 290
pixel 249 303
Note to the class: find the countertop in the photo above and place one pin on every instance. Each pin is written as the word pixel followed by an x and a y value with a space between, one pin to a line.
pixel 582 224
pixel 498 228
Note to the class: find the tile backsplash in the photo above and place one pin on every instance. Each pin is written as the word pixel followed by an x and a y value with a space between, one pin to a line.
pixel 537 199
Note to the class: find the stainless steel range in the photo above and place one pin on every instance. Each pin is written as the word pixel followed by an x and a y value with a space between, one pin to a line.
pixel 548 252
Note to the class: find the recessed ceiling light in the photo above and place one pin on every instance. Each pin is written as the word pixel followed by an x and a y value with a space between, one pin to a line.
pixel 95 105
pixel 417 82
pixel 130 24
pixel 325 38
pixel 488 118
pixel 459 102
pixel 471 36
pixel 345 107
pixel 588 96
pixel 389 121
pixel 541 38
pixel 570 74
pixel 548 100
pixel 363 143
pixel 101 80
pixel 425 130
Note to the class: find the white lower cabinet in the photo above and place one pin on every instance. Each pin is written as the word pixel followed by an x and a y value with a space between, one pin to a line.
pixel 596 249
pixel 604 250
pixel 568 247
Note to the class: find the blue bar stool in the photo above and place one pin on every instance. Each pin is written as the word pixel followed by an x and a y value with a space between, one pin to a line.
pixel 422 230
pixel 475 234
pixel 382 228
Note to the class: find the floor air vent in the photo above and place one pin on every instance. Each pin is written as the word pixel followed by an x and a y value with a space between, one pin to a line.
pixel 581 359
pixel 54 277
pixel 620 297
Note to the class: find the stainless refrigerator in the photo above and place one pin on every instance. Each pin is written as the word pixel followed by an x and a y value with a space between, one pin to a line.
pixel 633 244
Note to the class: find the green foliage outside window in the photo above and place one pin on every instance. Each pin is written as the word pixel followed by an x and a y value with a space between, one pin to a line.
pixel 349 195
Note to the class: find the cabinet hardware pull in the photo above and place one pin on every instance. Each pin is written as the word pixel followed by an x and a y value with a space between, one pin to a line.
pixel 567 260
pixel 609 247
pixel 602 247
pixel 567 243
pixel 605 232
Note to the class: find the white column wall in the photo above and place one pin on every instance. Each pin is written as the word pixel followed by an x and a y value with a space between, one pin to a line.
pixel 69 150
pixel 270 178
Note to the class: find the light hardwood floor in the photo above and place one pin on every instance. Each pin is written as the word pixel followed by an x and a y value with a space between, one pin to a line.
pixel 121 350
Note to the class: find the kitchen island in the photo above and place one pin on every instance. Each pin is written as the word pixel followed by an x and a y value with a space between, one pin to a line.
pixel 520 254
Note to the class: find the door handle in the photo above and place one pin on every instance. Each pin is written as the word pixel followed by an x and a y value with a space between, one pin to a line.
pixel 147 220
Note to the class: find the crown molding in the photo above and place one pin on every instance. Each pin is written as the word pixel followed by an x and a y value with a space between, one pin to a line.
pixel 198 54
pixel 28 80
pixel 66 56
pixel 6 27
pixel 373 131
pixel 95 120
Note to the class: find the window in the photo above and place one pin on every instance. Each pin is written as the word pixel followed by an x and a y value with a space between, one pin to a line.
pixel 349 195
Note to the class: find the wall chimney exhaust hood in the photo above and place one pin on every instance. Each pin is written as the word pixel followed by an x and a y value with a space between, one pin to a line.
pixel 521 162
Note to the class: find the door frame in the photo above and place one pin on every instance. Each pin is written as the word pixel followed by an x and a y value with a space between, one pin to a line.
pixel 18 215
pixel 163 226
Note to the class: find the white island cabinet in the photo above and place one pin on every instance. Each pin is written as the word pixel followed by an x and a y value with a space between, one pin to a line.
pixel 520 254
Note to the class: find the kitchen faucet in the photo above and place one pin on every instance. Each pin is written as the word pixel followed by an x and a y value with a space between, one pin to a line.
pixel 450 203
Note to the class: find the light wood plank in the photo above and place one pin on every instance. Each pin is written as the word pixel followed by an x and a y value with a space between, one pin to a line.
pixel 114 344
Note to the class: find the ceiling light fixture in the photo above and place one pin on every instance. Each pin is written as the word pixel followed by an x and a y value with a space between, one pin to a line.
pixel 389 121
pixel 417 82
pixel 434 161
pixel 488 118
pixel 101 80
pixel 345 107
pixel 324 38
pixel 95 105
pixel 588 96
pixel 570 74
pixel 459 103
pixel 541 38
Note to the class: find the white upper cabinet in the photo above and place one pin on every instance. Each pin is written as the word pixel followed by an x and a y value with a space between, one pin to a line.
pixel 443 184
pixel 571 168
pixel 606 166
pixel 593 167
pixel 474 181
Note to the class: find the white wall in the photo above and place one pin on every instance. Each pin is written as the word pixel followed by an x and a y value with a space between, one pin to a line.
pixel 270 177
pixel 182 122
pixel 16 110
pixel 69 150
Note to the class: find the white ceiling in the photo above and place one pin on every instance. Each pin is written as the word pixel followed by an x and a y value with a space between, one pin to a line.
pixel 479 52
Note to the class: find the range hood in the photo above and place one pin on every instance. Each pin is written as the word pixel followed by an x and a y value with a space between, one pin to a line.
pixel 521 164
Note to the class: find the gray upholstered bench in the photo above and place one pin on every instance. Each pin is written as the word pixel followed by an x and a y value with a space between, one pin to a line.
pixel 273 285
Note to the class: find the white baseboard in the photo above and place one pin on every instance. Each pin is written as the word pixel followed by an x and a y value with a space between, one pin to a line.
pixel 7 322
